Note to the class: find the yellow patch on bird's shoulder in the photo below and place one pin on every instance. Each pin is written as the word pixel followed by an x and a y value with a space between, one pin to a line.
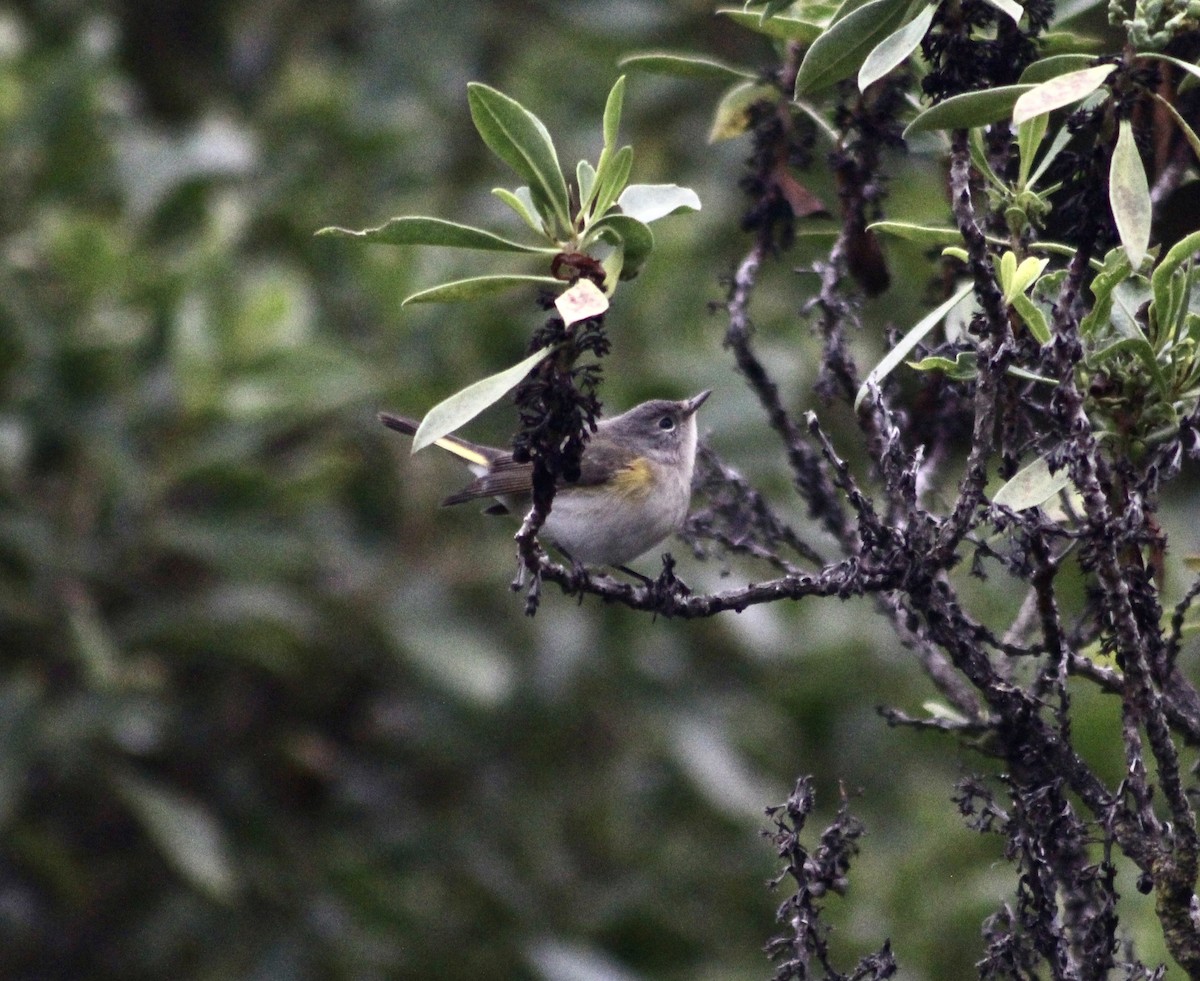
pixel 636 479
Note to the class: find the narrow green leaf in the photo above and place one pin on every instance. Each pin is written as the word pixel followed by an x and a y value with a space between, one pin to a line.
pixel 1114 272
pixel 968 110
pixel 649 202
pixel 1025 375
pixel 1061 139
pixel 1025 274
pixel 614 265
pixel 1128 299
pixel 476 288
pixel 611 178
pixel 1031 485
pixel 684 66
pixel 1006 270
pixel 463 406
pixel 1071 42
pixel 1178 254
pixel 783 28
pixel 633 237
pixel 186 833
pixel 1144 352
pixel 1164 273
pixel 964 367
pixel 927 235
pixel 612 111
pixel 521 201
pixel 980 159
pixel 1062 90
pixel 895 48
pixel 1032 314
pixel 1129 196
pixel 1010 7
pixel 1189 134
pixel 839 51
pixel 585 181
pixel 1045 69
pixel 1029 137
pixel 772 7
pixel 520 139
pixel 414 230
pixel 845 9
pixel 908 342
pixel 1193 70
pixel 732 115
pixel 1068 9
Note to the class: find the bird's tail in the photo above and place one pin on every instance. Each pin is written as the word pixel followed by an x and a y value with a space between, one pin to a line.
pixel 471 453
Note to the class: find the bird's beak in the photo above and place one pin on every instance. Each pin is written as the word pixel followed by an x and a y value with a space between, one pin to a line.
pixel 691 405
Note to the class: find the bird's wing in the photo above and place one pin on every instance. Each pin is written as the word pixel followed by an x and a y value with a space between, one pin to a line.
pixel 504 478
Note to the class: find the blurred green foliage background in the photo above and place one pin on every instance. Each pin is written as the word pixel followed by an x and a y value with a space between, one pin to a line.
pixel 265 710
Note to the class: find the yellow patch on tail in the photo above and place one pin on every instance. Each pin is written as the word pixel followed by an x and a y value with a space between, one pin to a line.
pixel 462 452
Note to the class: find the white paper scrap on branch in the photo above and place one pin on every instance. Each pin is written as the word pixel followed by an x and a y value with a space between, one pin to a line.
pixel 584 299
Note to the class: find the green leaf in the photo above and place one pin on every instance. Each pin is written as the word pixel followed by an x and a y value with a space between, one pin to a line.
pixel 1061 139
pixel 783 28
pixel 839 51
pixel 927 235
pixel 1067 9
pixel 612 112
pixel 1025 375
pixel 908 342
pixel 1070 42
pixel 633 237
pixel 520 139
pixel 1010 7
pixel 1189 134
pixel 186 833
pixel 1140 348
pixel 611 177
pixel 968 110
pixel 964 367
pixel 476 288
pixel 684 66
pixel 1032 314
pixel 1062 90
pixel 1129 196
pixel 980 160
pixel 414 230
pixel 649 202
pixel 732 116
pixel 895 48
pixel 1031 485
pixel 521 201
pixel 1115 270
pixel 463 406
pixel 845 9
pixel 772 7
pixel 1023 276
pixel 1193 70
pixel 1029 137
pixel 1163 307
pixel 1129 297
pixel 585 181
pixel 1045 69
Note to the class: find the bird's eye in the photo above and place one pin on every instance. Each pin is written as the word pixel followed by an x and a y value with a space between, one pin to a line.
pixel 666 423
